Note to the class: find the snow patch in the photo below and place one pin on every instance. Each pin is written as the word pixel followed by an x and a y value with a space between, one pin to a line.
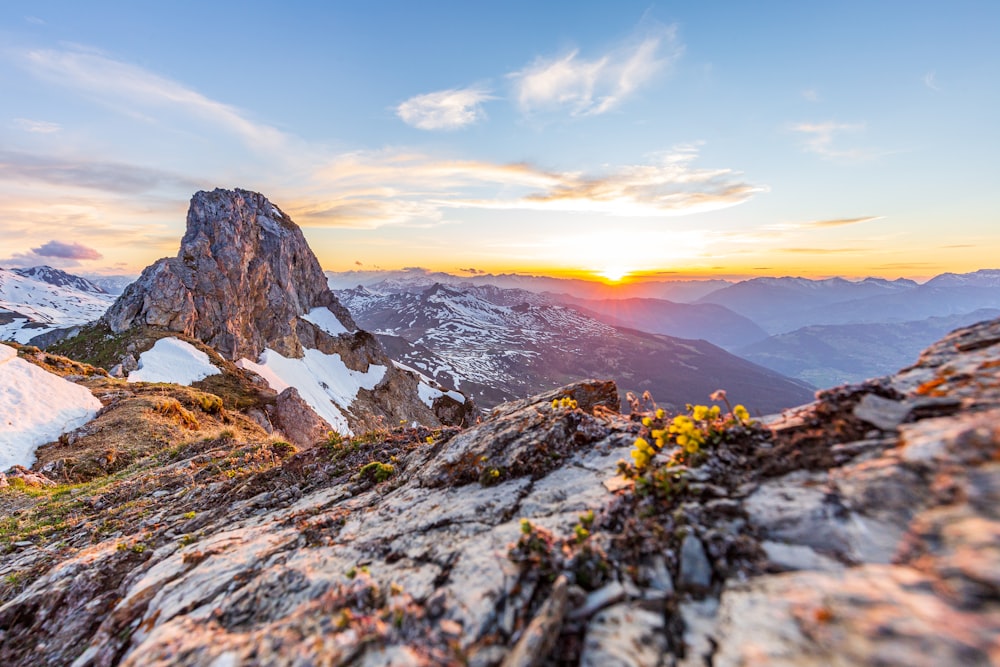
pixel 173 360
pixel 323 381
pixel 324 318
pixel 426 389
pixel 36 407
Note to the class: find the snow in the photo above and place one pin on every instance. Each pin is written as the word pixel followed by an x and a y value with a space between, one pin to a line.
pixel 173 360
pixel 426 388
pixel 428 393
pixel 324 318
pixel 36 407
pixel 323 381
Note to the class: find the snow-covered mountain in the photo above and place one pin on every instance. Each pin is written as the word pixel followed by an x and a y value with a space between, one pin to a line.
pixel 59 278
pixel 111 284
pixel 31 307
pixel 500 348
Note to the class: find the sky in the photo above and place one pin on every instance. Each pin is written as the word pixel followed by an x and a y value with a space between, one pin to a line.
pixel 619 140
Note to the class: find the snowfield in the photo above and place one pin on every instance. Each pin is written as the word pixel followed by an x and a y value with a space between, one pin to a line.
pixel 323 381
pixel 36 407
pixel 325 320
pixel 173 360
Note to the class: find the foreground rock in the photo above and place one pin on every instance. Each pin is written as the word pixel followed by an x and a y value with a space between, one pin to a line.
pixel 862 530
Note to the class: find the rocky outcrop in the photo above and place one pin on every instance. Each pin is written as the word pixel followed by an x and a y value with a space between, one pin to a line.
pixel 245 281
pixel 242 278
pixel 860 529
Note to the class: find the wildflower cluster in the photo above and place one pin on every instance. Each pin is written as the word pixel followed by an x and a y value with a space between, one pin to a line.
pixel 700 427
pixel 565 402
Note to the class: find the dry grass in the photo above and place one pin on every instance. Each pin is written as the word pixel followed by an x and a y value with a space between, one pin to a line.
pixel 140 420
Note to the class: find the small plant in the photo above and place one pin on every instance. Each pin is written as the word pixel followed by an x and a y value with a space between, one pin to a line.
pixel 283 449
pixel 377 471
pixel 210 404
pixel 171 407
pixel 689 434
pixel 189 515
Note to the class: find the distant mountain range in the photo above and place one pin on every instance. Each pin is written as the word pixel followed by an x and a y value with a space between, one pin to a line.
pixel 834 354
pixel 501 344
pixel 780 305
pixel 503 336
pixel 39 302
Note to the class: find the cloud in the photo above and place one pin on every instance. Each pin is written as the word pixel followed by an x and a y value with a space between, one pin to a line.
pixel 810 95
pixel 381 188
pixel 65 250
pixel 595 86
pixel 841 222
pixel 930 80
pixel 820 251
pixel 34 20
pixel 112 177
pixel 473 271
pixel 125 87
pixel 37 126
pixel 669 185
pixel 444 109
pixel 821 138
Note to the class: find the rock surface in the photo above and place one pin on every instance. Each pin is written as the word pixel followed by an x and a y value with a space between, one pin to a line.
pixel 824 540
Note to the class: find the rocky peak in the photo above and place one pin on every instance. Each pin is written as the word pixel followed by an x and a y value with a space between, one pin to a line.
pixel 242 278
pixel 47 274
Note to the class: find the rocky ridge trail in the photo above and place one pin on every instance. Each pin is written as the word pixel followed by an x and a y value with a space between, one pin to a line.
pixel 860 529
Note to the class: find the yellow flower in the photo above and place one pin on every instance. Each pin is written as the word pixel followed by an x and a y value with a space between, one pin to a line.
pixel 715 412
pixel 646 421
pixel 660 414
pixel 555 403
pixel 741 413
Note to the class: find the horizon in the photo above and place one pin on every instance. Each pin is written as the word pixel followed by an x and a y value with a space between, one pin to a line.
pixel 619 145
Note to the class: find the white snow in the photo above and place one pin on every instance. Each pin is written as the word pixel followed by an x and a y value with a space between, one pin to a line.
pixel 323 381
pixel 36 407
pixel 324 318
pixel 173 360
pixel 428 389
pixel 428 393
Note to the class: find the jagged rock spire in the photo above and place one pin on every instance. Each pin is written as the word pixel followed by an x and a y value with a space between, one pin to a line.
pixel 241 279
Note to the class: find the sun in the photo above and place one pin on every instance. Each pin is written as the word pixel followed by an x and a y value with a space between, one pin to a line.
pixel 613 274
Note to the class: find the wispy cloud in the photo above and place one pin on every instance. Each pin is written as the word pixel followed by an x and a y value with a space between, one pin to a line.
pixel 821 251
pixel 106 176
pixel 594 86
pixel 445 109
pixel 810 95
pixel 124 86
pixel 385 188
pixel 65 250
pixel 930 80
pixel 37 126
pixel 824 140
pixel 842 222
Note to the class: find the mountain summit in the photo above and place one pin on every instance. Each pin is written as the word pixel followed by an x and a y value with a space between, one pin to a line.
pixel 242 278
pixel 246 284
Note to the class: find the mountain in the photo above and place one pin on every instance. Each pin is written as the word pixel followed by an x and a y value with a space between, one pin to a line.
pixel 505 348
pixel 47 274
pixel 832 354
pixel 246 284
pixel 707 321
pixel 111 284
pixel 414 278
pixel 980 278
pixel 36 311
pixel 783 304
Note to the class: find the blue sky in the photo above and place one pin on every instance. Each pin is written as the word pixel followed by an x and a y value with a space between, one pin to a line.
pixel 664 138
